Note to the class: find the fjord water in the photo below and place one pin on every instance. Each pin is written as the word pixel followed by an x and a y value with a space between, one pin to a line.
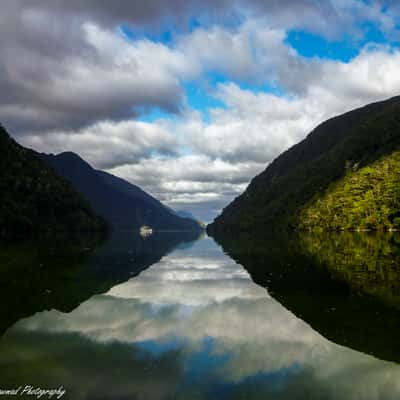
pixel 194 325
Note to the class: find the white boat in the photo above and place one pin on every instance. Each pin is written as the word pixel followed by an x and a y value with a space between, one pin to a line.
pixel 145 231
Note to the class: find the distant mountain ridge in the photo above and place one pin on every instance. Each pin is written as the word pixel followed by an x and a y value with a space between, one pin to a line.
pixel 35 200
pixel 184 214
pixel 279 196
pixel 124 205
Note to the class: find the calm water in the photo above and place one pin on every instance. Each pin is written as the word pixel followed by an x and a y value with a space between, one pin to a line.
pixel 191 325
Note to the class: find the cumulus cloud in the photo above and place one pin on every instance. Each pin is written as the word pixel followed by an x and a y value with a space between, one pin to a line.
pixel 370 76
pixel 257 126
pixel 111 79
pixel 194 182
pixel 73 79
pixel 232 51
pixel 187 299
pixel 241 138
pixel 331 18
pixel 328 17
pixel 194 163
pixel 107 144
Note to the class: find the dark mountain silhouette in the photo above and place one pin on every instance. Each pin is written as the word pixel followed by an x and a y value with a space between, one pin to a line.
pixel 184 214
pixel 34 199
pixel 304 177
pixel 62 272
pixel 337 292
pixel 123 205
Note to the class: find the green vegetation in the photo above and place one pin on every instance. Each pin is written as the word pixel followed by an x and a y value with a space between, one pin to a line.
pixel 33 199
pixel 346 285
pixel 367 262
pixel 365 199
pixel 285 229
pixel 275 198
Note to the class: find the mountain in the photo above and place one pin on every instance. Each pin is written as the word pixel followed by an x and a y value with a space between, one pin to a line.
pixel 184 214
pixel 86 266
pixel 123 205
pixel 344 284
pixel 367 198
pixel 34 199
pixel 348 158
pixel 187 214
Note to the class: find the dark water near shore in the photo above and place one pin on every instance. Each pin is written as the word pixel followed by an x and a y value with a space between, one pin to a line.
pixel 171 317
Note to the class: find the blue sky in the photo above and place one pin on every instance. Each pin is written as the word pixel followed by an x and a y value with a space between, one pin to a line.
pixel 308 44
pixel 190 100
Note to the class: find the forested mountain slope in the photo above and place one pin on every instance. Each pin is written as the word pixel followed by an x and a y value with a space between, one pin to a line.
pixel 122 204
pixel 292 183
pixel 34 199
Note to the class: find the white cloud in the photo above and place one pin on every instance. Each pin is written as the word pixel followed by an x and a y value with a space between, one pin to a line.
pixel 74 82
pixel 189 178
pixel 370 76
pixel 189 161
pixel 189 297
pixel 108 143
pixel 232 52
pixel 108 77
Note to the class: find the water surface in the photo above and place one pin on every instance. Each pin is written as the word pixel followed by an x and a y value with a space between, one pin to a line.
pixel 192 326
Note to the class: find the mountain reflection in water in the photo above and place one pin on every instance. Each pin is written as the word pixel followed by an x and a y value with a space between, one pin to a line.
pixel 63 271
pixel 193 326
pixel 345 285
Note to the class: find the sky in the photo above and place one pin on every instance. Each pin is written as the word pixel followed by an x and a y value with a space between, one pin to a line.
pixel 189 99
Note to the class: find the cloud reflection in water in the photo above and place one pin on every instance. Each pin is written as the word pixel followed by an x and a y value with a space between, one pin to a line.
pixel 224 336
